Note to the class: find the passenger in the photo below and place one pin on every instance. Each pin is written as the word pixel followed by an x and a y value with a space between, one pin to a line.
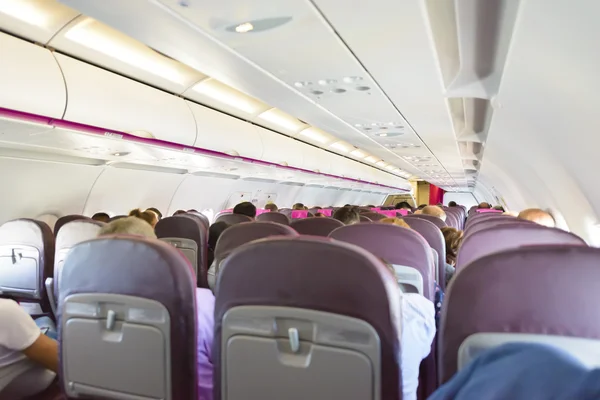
pixel 179 212
pixel 484 205
pixel 272 207
pixel 522 371
pixel 298 206
pixel 245 208
pixel 538 216
pixel 511 213
pixel 418 331
pixel 205 305
pixel 214 233
pixel 320 215
pixel 156 212
pixel 21 340
pixel 499 208
pixel 453 238
pixel 434 211
pixel 347 215
pixel 452 204
pixel 148 216
pixel 128 226
pixel 101 217
pixel 422 206
pixel 403 205
pixel 395 221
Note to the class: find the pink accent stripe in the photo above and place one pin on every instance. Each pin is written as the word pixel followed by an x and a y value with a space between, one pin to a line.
pixel 60 123
pixel 487 210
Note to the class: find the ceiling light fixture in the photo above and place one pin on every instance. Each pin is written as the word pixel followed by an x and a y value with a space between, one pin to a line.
pixel 390 167
pixel 341 146
pixel 325 82
pixel 358 154
pixel 24 11
pixel 300 84
pixel 226 95
pixel 381 163
pixel 381 134
pixel 316 134
pixel 89 33
pixel 371 159
pixel 244 28
pixel 283 120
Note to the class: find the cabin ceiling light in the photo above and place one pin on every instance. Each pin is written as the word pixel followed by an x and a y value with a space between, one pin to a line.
pixel 371 159
pixel 25 11
pixel 224 94
pixel 283 120
pixel 244 28
pixel 341 146
pixel 95 36
pixel 389 167
pixel 316 134
pixel 381 163
pixel 358 154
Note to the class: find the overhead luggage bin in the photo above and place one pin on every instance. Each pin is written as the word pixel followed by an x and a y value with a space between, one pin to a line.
pixel 280 149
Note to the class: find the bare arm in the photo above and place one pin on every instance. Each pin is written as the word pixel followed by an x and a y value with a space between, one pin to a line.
pixel 44 351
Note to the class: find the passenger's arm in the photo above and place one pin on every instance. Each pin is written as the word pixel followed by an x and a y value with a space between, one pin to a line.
pixel 44 351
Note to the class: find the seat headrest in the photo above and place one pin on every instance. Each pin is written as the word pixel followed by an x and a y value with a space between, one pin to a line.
pixel 233 219
pixel 65 220
pixel 316 226
pixel 274 217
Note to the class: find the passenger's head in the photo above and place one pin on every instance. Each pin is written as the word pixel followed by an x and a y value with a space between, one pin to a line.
pixel 453 238
pixel 155 211
pixel 245 208
pixel 214 233
pixel 499 208
pixel 347 215
pixel 272 207
pixel 148 216
pixel 128 226
pixel 422 206
pixel 434 211
pixel 452 204
pixel 319 215
pixel 538 216
pixel 403 205
pixel 298 206
pixel 179 212
pixel 101 217
pixel 395 221
pixel 484 205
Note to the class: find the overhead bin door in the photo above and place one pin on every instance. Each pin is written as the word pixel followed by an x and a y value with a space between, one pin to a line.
pixel 101 98
pixel 30 79
pixel 280 149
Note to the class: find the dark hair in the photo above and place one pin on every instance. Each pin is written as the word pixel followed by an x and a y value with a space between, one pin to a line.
pixel 371 206
pixel 403 205
pixel 101 216
pixel 272 207
pixel 214 233
pixel 148 216
pixel 178 212
pixel 347 215
pixel 422 206
pixel 499 208
pixel 452 204
pixel 155 210
pixel 192 210
pixel 319 215
pixel 453 238
pixel 484 205
pixel 245 208
pixel 298 206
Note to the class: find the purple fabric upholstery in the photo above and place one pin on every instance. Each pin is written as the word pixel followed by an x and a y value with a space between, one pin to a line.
pixel 149 269
pixel 483 217
pixel 317 274
pixel 316 226
pixel 237 235
pixel 188 227
pixel 394 244
pixel 550 290
pixel 434 220
pixel 489 223
pixel 505 237
pixel 233 219
pixel 274 217
pixel 452 220
pixel 373 216
pixel 37 235
pixel 65 220
pixel 201 217
pixel 433 235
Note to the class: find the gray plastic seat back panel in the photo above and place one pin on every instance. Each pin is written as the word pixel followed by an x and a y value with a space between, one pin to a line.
pixel 129 338
pixel 188 247
pixel 298 354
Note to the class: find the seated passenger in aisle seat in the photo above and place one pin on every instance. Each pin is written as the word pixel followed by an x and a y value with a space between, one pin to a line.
pixel 484 205
pixel 418 330
pixel 101 217
pixel 246 208
pixel 538 216
pixel 395 221
pixel 522 371
pixel 272 207
pixel 205 305
pixel 347 215
pixel 298 206
pixel 453 238
pixel 156 212
pixel 403 205
pixel 148 216
pixel 434 211
pixel 452 204
pixel 28 357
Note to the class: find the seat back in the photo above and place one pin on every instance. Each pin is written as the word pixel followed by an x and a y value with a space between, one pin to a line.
pixel 394 244
pixel 129 302
pixel 316 226
pixel 539 293
pixel 65 220
pixel 306 318
pixel 489 219
pixel 493 222
pixel 203 218
pixel 365 219
pixel 503 237
pixel 434 220
pixel 451 220
pixel 233 219
pixel 26 261
pixel 188 234
pixel 274 217
pixel 433 235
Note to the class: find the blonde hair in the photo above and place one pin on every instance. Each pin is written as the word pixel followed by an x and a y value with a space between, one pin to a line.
pixel 128 226
pixel 538 216
pixel 453 238
pixel 395 221
pixel 434 211
pixel 148 216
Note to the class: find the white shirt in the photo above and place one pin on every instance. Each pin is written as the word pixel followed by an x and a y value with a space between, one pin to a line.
pixel 18 331
pixel 418 331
